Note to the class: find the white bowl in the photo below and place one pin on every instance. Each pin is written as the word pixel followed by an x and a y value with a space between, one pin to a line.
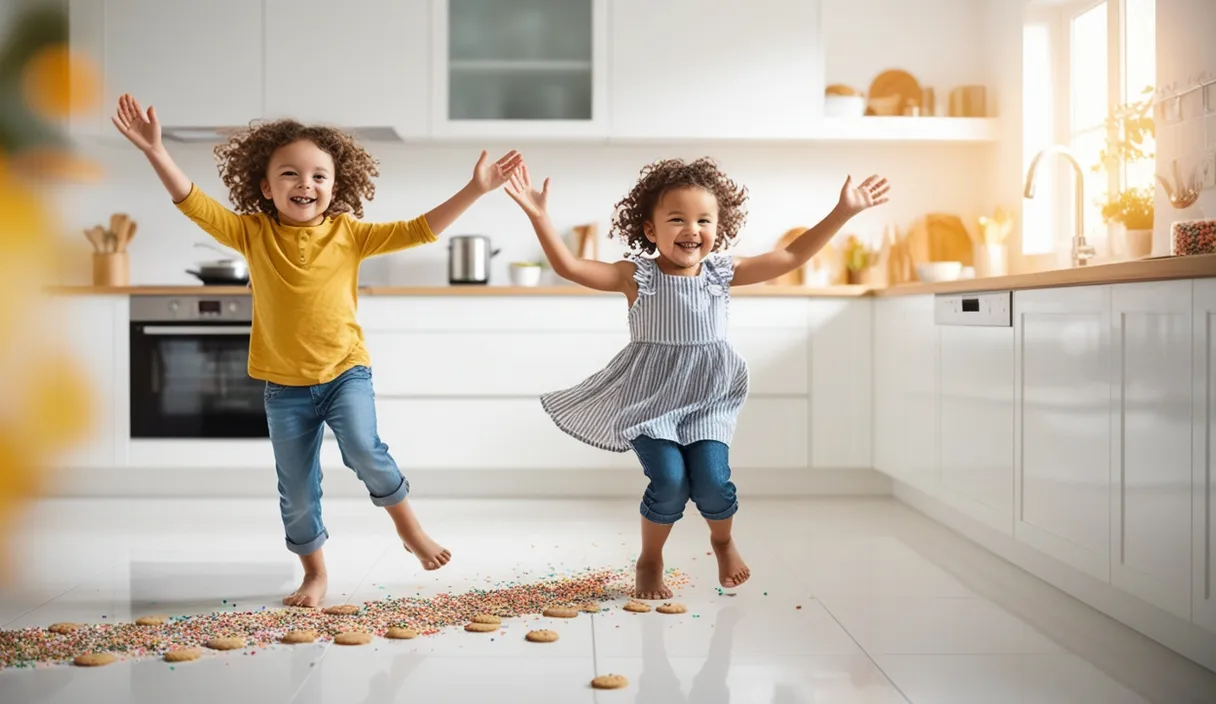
pixel 844 106
pixel 933 272
pixel 525 275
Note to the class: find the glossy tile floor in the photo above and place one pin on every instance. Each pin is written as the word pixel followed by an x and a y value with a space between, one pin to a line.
pixel 894 608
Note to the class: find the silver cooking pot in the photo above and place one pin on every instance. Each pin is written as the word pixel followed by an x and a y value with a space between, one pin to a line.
pixel 469 259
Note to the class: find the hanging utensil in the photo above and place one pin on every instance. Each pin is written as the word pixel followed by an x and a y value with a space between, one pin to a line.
pixel 1169 190
pixel 1181 195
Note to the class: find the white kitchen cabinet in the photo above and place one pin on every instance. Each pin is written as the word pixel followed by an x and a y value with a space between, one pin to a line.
pixel 485 361
pixel 1203 451
pixel 199 63
pixel 1150 498
pixel 975 430
pixel 366 65
pixel 93 331
pixel 502 314
pixel 1062 434
pixel 905 391
pixel 519 68
pixel 86 36
pixel 842 383
pixel 515 433
pixel 690 69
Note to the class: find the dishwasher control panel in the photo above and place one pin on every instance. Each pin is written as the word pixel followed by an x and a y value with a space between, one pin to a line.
pixel 987 309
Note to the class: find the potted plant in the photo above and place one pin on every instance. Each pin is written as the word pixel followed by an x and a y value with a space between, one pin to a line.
pixel 1133 208
pixel 859 260
pixel 1127 127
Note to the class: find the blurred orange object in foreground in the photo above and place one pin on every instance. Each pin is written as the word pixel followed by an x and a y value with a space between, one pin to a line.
pixel 44 394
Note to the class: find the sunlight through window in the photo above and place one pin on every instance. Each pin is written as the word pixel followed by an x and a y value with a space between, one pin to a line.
pixel 1037 132
pixel 1081 60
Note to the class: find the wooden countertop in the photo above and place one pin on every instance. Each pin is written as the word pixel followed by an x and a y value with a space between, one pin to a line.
pixel 1160 269
pixel 766 291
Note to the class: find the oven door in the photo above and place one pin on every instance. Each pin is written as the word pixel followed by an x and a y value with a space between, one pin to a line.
pixel 191 380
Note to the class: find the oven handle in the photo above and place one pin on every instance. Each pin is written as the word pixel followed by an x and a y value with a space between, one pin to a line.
pixel 198 330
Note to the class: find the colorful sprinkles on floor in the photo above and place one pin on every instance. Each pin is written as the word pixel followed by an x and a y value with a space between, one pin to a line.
pixel 35 647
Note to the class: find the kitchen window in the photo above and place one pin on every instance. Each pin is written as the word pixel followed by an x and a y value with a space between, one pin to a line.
pixel 1079 61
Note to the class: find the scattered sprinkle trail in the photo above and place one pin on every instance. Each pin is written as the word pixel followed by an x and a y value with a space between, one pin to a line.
pixel 35 647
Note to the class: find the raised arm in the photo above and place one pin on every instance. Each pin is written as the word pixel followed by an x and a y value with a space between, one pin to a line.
pixel 601 276
pixel 486 177
pixel 770 265
pixel 143 130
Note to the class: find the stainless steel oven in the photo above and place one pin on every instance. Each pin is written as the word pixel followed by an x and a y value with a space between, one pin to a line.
pixel 189 368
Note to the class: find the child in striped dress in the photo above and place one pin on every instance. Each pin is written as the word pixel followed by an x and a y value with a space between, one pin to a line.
pixel 673 394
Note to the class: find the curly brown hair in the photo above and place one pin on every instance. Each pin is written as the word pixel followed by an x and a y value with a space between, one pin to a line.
pixel 662 176
pixel 245 158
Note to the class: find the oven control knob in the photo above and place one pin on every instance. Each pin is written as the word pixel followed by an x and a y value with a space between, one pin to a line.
pixel 232 306
pixel 173 306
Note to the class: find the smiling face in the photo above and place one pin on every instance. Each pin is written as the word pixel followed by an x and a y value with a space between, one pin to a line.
pixel 684 227
pixel 300 181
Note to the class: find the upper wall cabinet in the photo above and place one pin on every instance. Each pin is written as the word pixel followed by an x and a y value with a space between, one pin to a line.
pixel 199 63
pixel 519 68
pixel 716 69
pixel 365 64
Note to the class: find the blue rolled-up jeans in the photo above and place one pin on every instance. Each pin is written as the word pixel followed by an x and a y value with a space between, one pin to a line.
pixel 700 471
pixel 296 416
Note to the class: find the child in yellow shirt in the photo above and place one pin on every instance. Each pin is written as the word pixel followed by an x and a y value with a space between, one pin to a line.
pixel 298 191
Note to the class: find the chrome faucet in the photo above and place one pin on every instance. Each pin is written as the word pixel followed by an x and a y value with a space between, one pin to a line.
pixel 1081 252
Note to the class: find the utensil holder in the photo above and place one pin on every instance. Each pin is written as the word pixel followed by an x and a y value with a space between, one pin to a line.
pixel 991 260
pixel 864 277
pixel 111 269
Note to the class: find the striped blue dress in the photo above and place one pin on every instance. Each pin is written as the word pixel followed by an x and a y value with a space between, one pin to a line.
pixel 678 379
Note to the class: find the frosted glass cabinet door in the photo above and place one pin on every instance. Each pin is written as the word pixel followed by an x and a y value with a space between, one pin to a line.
pixel 520 67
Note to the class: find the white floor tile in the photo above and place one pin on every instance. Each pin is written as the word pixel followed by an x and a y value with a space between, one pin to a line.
pixel 1058 678
pixel 883 591
pixel 753 626
pixel 273 675
pixel 364 675
pixel 873 566
pixel 884 625
pixel 838 679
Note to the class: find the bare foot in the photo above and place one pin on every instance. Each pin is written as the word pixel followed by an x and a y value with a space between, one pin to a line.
pixel 310 593
pixel 732 571
pixel 432 555
pixel 648 584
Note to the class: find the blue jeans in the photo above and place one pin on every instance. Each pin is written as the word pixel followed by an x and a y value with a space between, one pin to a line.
pixel 295 415
pixel 677 472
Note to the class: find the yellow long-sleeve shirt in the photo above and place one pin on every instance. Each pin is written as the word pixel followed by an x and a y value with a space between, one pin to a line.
pixel 305 284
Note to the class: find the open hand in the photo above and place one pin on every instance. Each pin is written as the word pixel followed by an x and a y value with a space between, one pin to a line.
pixel 487 176
pixel 521 191
pixel 143 129
pixel 871 192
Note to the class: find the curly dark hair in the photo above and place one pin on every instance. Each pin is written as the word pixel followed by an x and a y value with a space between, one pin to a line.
pixel 662 176
pixel 245 158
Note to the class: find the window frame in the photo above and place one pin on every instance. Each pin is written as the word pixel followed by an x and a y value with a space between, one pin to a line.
pixel 1059 17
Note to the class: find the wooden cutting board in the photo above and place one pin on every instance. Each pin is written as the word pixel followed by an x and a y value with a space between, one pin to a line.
pixel 940 237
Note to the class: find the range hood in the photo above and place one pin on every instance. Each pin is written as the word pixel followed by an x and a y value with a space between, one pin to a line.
pixel 215 135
